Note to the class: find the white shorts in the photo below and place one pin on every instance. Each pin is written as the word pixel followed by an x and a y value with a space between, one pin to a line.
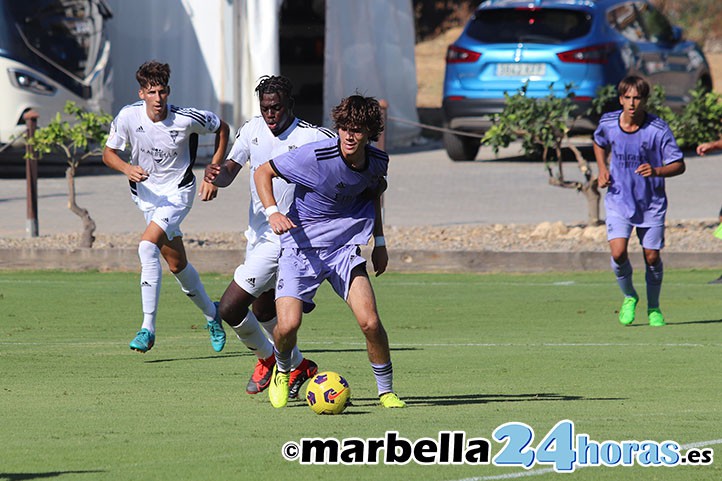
pixel 257 274
pixel 168 212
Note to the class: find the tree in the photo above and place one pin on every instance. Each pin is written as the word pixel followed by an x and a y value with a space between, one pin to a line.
pixel 543 125
pixel 82 138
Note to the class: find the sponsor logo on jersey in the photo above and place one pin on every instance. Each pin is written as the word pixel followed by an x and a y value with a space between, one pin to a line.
pixel 292 147
pixel 254 141
pixel 145 284
pixel 340 186
pixel 251 281
pixel 140 130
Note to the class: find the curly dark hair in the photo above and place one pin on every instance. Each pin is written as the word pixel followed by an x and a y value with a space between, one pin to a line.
pixel 153 73
pixel 275 84
pixel 357 111
pixel 633 81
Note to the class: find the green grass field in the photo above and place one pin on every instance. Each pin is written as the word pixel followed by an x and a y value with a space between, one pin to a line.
pixel 470 353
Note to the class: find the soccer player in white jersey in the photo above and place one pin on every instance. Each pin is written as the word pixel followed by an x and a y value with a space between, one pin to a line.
pixel 336 207
pixel 163 140
pixel 642 152
pixel 272 133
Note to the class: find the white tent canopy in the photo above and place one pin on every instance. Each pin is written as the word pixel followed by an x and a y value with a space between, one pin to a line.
pixel 218 49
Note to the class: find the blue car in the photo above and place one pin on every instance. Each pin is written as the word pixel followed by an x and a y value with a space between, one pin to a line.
pixel 586 43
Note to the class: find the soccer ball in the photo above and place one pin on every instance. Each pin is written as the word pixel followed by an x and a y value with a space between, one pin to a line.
pixel 328 393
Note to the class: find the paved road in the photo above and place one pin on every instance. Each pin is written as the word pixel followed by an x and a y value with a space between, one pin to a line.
pixel 426 188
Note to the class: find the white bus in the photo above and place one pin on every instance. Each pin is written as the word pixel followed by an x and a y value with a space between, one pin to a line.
pixel 51 51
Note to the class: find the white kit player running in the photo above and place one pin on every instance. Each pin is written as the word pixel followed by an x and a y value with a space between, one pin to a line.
pixel 163 140
pixel 275 132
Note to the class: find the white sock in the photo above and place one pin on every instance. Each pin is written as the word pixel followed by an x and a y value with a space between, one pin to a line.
pixel 191 285
pixel 269 326
pixel 251 334
pixel 151 275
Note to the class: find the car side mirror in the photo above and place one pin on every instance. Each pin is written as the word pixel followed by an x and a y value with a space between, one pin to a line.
pixel 677 33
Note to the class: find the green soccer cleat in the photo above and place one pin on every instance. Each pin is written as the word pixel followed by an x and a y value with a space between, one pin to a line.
pixel 626 312
pixel 143 342
pixel 216 332
pixel 656 319
pixel 391 400
pixel 278 390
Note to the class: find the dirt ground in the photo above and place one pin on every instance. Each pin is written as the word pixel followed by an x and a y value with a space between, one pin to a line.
pixel 430 69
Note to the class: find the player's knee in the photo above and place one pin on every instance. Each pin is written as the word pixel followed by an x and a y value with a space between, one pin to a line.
pixel 651 257
pixel 371 326
pixel 148 252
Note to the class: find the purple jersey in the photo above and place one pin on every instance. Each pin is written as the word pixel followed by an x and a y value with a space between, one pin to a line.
pixel 329 206
pixel 640 200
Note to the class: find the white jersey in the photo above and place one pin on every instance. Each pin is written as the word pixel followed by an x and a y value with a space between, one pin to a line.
pixel 165 149
pixel 256 143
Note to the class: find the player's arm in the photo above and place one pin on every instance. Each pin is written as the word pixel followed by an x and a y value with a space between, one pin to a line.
pixel 263 177
pixel 670 170
pixel 379 255
pixel 208 190
pixel 222 175
pixel 600 153
pixel 702 149
pixel 135 173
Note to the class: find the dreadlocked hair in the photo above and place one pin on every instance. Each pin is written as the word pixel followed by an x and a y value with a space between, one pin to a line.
pixel 274 84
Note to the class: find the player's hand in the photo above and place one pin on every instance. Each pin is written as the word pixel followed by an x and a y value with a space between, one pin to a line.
pixel 704 148
pixel 645 170
pixel 211 172
pixel 208 191
pixel 280 223
pixel 603 180
pixel 380 259
pixel 136 173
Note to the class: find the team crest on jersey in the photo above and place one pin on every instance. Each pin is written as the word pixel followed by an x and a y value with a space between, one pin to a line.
pixel 174 134
pixel 254 141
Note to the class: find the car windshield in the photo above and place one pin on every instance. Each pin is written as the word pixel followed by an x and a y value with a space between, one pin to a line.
pixel 511 25
pixel 68 33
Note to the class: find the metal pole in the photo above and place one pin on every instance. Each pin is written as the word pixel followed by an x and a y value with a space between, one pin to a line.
pixel 31 175
pixel 381 144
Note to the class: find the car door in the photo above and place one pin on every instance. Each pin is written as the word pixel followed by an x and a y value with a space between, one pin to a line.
pixel 676 73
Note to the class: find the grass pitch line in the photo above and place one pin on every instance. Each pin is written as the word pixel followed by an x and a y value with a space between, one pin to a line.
pixel 539 472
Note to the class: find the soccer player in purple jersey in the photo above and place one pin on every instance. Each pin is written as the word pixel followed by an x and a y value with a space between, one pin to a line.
pixel 642 152
pixel 336 207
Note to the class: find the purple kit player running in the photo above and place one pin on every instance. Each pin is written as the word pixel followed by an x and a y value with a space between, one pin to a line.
pixel 642 152
pixel 336 207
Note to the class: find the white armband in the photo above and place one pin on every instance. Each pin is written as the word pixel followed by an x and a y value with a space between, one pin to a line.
pixel 270 210
pixel 379 241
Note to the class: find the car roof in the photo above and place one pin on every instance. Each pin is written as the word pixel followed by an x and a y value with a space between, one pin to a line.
pixel 591 4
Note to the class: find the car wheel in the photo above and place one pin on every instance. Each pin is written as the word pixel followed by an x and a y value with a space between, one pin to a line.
pixel 461 147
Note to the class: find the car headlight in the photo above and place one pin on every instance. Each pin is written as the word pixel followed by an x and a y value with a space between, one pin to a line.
pixel 27 81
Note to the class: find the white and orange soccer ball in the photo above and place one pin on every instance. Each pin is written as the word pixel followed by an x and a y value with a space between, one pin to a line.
pixel 328 393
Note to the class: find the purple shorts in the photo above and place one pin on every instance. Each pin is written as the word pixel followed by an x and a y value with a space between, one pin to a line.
pixel 301 272
pixel 649 237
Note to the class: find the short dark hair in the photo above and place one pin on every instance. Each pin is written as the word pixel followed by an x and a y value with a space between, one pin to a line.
pixel 638 83
pixel 153 73
pixel 359 112
pixel 275 84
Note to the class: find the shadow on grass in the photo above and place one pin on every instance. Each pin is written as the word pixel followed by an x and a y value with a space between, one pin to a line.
pixel 463 399
pixel 51 474
pixel 682 323
pixel 248 354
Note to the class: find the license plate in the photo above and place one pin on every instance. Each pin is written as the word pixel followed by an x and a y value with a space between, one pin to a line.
pixel 520 69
